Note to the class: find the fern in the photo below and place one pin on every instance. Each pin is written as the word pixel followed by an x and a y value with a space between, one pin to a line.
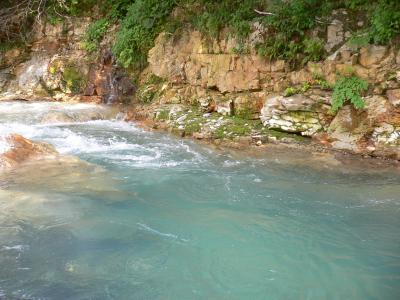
pixel 348 89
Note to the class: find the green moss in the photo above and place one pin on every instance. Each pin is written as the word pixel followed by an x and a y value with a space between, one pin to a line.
pixel 233 126
pixel 280 135
pixel 245 112
pixel 162 115
pixel 73 79
pixel 9 45
pixel 150 89
pixel 192 127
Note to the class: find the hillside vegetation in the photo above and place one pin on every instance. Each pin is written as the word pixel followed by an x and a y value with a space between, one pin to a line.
pixel 288 24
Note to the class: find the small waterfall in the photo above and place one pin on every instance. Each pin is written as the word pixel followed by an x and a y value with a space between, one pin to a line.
pixel 109 81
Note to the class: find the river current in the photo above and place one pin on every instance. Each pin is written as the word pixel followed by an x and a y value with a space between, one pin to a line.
pixel 132 214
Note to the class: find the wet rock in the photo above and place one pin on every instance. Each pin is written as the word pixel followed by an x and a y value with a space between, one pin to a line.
pixel 64 117
pixel 109 81
pixel 30 74
pixel 346 129
pixel 21 149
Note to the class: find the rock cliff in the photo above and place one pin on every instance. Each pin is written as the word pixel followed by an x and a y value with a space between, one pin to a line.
pixel 209 74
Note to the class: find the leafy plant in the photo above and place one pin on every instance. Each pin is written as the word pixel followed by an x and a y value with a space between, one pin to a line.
pixel 385 21
pixel 290 91
pixel 313 49
pixel 143 22
pixel 323 84
pixel 288 24
pixel 94 34
pixel 233 14
pixel 348 89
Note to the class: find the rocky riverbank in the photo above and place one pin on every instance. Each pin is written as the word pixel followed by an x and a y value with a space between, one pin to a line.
pixel 207 90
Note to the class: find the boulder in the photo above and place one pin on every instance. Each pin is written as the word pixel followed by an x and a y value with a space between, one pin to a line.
pixel 296 114
pixel 17 149
pixel 347 129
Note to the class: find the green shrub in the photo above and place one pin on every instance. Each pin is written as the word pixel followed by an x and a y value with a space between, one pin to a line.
pixel 115 9
pixel 143 22
pixel 236 15
pixel 385 21
pixel 288 25
pixel 94 34
pixel 323 84
pixel 355 4
pixel 279 47
pixel 348 89
pixel 313 49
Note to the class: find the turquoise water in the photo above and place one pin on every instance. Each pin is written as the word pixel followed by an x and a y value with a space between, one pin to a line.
pixel 144 215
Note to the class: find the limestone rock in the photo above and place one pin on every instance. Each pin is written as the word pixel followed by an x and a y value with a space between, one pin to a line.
pixel 188 60
pixel 372 55
pixel 368 131
pixel 335 35
pixel 394 97
pixel 347 129
pixel 297 114
pixel 224 106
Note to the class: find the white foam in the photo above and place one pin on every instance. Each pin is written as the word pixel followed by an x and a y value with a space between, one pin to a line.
pixel 168 235
pixel 20 107
pixel 18 248
pixel 4 146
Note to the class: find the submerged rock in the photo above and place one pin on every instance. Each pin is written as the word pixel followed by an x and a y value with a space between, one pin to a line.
pixel 64 117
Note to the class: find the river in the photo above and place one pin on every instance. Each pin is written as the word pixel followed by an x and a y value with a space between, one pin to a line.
pixel 133 214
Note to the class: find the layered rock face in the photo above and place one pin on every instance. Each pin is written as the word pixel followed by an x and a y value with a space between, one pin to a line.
pixel 210 74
